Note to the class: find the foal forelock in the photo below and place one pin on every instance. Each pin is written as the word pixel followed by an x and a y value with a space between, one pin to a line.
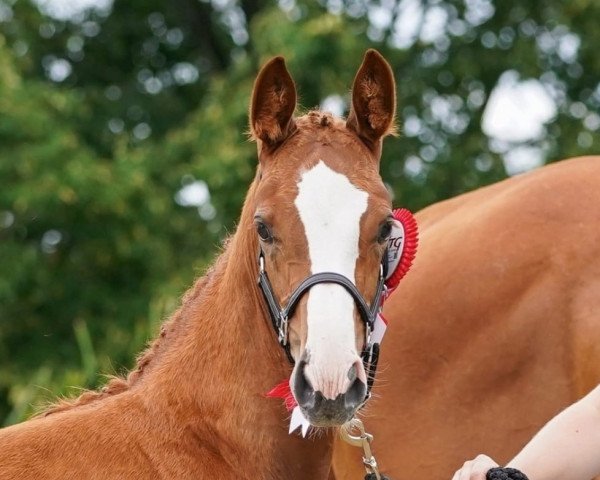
pixel 330 209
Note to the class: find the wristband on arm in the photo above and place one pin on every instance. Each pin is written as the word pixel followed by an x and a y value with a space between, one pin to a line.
pixel 500 473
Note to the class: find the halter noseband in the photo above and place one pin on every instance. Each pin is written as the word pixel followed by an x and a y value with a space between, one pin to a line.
pixel 368 314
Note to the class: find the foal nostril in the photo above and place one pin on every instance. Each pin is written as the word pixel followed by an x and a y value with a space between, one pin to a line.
pixel 303 390
pixel 356 394
pixel 357 391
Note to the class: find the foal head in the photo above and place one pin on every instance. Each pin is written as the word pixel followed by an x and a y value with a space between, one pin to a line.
pixel 320 206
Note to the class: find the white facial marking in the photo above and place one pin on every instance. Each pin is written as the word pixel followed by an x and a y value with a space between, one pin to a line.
pixel 330 209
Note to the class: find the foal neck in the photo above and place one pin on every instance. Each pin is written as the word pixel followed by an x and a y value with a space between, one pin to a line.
pixel 223 361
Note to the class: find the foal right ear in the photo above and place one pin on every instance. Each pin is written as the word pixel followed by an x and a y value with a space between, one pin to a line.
pixel 273 103
pixel 373 99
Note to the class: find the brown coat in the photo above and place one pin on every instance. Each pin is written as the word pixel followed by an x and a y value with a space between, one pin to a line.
pixel 495 329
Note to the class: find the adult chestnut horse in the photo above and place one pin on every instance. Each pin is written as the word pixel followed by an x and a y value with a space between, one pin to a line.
pixel 495 329
pixel 195 406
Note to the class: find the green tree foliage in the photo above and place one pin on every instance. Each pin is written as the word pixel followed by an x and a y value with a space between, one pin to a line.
pixel 92 247
pixel 115 124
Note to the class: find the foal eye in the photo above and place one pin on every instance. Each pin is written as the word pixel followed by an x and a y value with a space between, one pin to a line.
pixel 263 232
pixel 384 232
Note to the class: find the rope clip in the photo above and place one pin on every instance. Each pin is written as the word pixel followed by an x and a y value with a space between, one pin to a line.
pixel 363 439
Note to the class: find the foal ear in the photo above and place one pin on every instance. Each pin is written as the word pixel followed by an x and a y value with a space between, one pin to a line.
pixel 273 103
pixel 373 99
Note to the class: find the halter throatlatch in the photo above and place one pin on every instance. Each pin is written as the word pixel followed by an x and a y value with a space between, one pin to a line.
pixel 368 313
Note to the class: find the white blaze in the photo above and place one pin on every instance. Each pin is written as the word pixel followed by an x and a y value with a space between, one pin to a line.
pixel 330 209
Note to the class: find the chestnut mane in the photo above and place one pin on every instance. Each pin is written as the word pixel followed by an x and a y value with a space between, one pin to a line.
pixel 119 384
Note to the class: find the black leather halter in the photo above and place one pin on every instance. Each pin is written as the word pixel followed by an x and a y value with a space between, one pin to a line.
pixel 368 313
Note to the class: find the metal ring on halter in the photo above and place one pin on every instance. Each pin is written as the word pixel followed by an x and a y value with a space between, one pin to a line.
pixel 363 440
pixel 283 329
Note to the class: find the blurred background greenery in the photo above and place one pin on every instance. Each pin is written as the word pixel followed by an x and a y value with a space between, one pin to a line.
pixel 124 159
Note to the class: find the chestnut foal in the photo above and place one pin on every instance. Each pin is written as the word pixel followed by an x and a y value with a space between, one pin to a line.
pixel 195 406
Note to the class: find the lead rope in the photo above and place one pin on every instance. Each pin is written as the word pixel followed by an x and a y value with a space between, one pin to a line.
pixel 363 439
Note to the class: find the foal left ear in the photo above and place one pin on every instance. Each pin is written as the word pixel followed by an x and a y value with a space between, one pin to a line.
pixel 273 103
pixel 373 99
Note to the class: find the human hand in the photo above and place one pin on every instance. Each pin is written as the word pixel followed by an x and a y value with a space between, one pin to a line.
pixel 475 469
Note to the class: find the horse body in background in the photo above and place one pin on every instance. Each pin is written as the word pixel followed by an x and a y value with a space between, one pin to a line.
pixel 495 329
pixel 195 406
